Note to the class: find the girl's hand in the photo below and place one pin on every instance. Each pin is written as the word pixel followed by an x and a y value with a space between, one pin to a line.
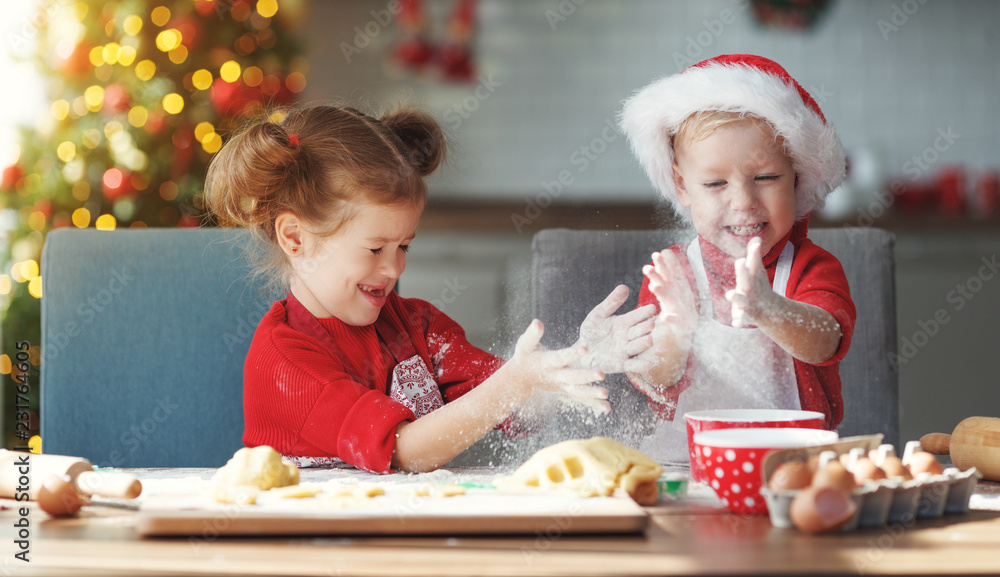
pixel 539 369
pixel 612 341
pixel 672 290
pixel 753 295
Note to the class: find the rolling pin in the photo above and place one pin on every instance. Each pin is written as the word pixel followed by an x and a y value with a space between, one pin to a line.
pixel 975 442
pixel 16 467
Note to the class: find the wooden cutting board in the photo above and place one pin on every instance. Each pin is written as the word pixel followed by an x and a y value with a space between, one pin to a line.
pixel 482 513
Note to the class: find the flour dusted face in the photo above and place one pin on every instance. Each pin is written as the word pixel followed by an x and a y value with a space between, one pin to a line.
pixel 739 184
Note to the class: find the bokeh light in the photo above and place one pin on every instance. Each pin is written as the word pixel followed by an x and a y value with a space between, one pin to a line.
pixel 202 79
pixel 132 25
pixel 160 15
pixel 81 218
pixel 267 8
pixel 145 70
pixel 230 71
pixel 173 103
pixel 105 222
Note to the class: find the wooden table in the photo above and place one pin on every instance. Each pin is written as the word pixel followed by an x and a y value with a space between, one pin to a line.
pixel 684 538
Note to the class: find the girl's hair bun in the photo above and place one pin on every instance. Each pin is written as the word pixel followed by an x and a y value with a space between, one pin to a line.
pixel 422 137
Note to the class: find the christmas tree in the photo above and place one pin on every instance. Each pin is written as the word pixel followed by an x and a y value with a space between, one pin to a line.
pixel 143 93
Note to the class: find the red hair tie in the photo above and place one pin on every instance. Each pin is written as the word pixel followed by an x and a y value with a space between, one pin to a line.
pixel 293 141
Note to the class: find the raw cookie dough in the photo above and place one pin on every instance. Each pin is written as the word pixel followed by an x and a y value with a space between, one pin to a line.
pixel 250 471
pixel 439 491
pixel 591 467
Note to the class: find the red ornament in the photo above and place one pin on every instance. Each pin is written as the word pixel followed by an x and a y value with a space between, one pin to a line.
pixel 189 28
pixel 77 64
pixel 116 99
pixel 231 99
pixel 116 183
pixel 60 221
pixel 183 141
pixel 455 63
pixel 988 192
pixel 413 53
pixel 951 190
pixel 155 122
pixel 44 207
pixel 11 175
pixel 188 221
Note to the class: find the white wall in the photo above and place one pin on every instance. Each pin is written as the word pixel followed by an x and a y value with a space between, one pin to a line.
pixel 554 85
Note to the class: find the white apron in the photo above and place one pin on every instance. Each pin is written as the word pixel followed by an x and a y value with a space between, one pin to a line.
pixel 733 369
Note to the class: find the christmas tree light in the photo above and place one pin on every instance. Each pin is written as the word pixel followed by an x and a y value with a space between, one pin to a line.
pixel 143 93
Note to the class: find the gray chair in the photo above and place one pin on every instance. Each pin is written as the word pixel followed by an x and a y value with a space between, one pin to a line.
pixel 574 269
pixel 144 334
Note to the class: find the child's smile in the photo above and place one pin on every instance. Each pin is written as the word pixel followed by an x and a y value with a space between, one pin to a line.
pixel 350 274
pixel 739 184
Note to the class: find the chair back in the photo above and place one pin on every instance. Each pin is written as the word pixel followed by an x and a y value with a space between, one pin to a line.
pixel 144 335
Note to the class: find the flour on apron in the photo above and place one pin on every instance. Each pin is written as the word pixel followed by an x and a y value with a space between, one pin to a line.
pixel 733 368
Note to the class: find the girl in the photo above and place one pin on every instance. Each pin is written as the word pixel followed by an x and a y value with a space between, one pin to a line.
pixel 344 368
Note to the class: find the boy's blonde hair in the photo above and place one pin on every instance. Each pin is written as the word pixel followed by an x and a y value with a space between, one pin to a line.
pixel 701 125
pixel 741 85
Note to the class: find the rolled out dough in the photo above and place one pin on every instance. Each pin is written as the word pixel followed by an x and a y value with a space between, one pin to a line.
pixel 591 467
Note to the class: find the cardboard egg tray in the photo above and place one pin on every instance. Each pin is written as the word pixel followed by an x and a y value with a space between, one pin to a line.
pixel 878 502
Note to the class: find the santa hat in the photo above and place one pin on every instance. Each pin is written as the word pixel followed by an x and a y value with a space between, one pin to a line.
pixel 744 84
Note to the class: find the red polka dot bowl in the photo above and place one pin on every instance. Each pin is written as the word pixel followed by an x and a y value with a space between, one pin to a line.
pixel 731 459
pixel 698 421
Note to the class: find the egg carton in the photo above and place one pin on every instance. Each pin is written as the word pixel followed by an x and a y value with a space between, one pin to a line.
pixel 880 502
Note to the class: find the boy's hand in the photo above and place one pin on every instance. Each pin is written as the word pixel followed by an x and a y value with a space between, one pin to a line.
pixel 753 295
pixel 540 370
pixel 612 341
pixel 672 290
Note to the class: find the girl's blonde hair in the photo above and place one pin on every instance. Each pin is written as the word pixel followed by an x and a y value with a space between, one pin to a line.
pixel 321 164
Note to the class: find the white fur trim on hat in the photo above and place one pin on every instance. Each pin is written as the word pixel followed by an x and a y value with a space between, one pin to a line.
pixel 652 115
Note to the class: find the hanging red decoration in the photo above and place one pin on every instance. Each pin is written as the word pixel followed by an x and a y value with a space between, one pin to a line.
pixel 413 50
pixel 455 58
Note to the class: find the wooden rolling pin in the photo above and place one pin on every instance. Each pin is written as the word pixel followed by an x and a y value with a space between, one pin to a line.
pixel 975 442
pixel 16 467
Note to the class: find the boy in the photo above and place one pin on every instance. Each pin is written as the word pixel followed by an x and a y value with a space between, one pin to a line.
pixel 752 314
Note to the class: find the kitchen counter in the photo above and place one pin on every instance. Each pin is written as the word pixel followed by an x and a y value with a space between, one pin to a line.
pixel 688 537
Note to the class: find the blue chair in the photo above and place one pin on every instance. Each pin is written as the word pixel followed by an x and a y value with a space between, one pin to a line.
pixel 144 334
pixel 573 270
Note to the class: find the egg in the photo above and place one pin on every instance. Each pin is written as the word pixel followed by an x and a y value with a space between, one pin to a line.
pixel 835 476
pixel 924 462
pixel 790 476
pixel 58 497
pixel 894 469
pixel 866 470
pixel 819 509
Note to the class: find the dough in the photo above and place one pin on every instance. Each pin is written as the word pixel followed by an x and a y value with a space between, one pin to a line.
pixel 288 492
pixel 439 491
pixel 360 490
pixel 587 468
pixel 250 471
